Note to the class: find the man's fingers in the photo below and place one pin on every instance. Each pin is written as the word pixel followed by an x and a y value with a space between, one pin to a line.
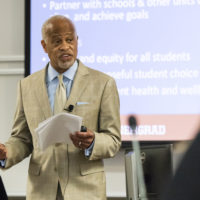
pixel 81 142
pixel 3 152
pixel 84 135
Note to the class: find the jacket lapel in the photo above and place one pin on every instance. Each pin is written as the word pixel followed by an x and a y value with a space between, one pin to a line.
pixel 79 84
pixel 41 93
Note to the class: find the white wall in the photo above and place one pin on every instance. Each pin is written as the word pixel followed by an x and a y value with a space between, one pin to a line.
pixel 11 70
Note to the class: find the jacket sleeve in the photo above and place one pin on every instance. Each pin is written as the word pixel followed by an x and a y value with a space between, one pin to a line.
pixel 19 145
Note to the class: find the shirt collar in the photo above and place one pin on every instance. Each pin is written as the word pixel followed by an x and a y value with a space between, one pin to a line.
pixel 70 73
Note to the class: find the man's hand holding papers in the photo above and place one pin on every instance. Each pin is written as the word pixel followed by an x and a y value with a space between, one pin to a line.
pixel 57 129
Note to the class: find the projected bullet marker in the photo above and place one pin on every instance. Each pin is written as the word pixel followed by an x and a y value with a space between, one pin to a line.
pixel 43 59
pixel 44 5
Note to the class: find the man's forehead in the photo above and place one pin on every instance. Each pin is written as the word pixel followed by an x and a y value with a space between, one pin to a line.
pixel 59 34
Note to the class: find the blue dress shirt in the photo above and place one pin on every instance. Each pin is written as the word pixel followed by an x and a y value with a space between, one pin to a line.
pixel 2 163
pixel 52 81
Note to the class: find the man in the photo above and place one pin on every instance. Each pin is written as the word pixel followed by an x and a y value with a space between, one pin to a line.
pixel 64 171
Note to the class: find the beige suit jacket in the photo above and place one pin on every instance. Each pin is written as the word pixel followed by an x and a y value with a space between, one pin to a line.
pixel 80 177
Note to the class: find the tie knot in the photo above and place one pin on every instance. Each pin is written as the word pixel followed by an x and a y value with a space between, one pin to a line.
pixel 60 78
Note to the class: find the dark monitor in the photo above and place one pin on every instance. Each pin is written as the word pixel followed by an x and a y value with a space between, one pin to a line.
pixel 3 195
pixel 157 168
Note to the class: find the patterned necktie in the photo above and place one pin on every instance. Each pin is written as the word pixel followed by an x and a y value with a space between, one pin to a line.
pixel 60 96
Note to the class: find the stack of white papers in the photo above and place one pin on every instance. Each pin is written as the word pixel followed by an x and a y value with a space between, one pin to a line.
pixel 56 129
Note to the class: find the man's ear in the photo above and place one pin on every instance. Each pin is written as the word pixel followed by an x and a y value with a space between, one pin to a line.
pixel 43 43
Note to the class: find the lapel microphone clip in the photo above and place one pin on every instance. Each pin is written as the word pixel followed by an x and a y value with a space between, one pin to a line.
pixel 70 108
